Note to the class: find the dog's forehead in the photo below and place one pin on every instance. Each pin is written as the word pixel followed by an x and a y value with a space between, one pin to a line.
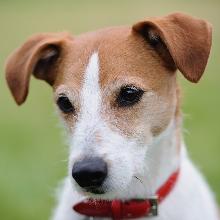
pixel 123 57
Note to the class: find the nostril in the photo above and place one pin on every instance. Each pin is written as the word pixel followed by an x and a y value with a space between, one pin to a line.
pixel 97 178
pixel 90 172
pixel 98 175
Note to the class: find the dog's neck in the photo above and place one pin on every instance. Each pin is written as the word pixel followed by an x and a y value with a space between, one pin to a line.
pixel 162 159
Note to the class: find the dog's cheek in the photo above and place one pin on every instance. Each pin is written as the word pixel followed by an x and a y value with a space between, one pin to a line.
pixel 119 173
pixel 123 172
pixel 124 157
pixel 157 112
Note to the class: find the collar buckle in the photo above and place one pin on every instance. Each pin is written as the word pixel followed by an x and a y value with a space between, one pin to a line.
pixel 154 207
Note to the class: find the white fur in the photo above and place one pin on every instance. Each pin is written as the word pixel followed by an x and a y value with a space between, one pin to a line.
pixel 152 161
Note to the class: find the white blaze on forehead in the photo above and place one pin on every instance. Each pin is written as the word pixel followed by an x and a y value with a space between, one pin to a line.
pixel 91 95
pixel 90 98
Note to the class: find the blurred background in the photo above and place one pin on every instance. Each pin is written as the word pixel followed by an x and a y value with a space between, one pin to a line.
pixel 32 144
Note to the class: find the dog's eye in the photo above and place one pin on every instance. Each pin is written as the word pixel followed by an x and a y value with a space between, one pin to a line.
pixel 129 95
pixel 64 104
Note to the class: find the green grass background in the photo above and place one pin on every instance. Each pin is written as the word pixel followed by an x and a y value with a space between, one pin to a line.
pixel 32 145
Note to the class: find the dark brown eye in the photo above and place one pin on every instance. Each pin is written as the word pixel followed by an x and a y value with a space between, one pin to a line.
pixel 129 95
pixel 64 104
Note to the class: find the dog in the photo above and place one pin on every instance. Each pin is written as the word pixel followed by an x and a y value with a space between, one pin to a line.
pixel 117 94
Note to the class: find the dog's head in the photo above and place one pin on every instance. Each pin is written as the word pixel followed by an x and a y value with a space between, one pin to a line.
pixel 115 90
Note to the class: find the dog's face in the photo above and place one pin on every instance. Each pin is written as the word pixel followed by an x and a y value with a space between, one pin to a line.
pixel 115 90
pixel 114 97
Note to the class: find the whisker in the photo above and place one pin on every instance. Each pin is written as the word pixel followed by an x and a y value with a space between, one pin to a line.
pixel 138 179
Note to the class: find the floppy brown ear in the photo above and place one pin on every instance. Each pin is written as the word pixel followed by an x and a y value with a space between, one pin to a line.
pixel 38 56
pixel 183 38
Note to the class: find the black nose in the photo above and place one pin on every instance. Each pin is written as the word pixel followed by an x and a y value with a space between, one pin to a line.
pixel 90 172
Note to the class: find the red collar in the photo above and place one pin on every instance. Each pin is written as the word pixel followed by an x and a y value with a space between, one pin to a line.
pixel 135 208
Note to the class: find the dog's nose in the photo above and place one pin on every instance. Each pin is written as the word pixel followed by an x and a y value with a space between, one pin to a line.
pixel 90 172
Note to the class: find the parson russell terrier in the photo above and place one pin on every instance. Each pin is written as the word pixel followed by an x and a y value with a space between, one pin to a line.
pixel 117 93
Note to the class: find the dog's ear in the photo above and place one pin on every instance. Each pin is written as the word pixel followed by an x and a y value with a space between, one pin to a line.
pixel 183 41
pixel 37 56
